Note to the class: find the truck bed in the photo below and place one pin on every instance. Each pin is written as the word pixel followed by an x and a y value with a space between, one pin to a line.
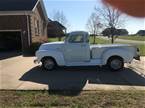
pixel 97 50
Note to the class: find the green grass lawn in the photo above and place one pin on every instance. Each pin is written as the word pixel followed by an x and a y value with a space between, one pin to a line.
pixel 100 41
pixel 136 38
pixel 142 49
pixel 55 39
pixel 66 99
pixel 52 39
pixel 103 41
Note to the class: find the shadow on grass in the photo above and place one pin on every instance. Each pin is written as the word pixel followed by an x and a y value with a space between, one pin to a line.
pixel 71 81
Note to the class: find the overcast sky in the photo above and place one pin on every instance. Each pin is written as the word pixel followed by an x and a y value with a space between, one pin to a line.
pixel 77 13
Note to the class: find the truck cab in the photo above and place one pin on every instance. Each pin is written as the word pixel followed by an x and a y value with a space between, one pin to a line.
pixel 77 47
pixel 77 51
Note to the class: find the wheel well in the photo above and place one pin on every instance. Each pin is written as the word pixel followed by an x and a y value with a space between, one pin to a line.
pixel 49 58
pixel 115 56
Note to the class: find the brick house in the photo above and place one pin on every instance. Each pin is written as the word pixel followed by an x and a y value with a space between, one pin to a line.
pixel 22 23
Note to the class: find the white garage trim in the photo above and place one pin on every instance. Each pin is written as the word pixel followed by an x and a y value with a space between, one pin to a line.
pixel 17 30
pixel 28 28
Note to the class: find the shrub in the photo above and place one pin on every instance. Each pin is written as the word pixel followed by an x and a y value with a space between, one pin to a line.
pixel 33 48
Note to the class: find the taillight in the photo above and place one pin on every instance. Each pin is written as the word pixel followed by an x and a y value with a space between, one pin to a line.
pixel 137 49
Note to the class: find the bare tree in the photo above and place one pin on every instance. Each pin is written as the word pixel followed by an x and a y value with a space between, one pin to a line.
pixel 111 18
pixel 61 18
pixel 94 25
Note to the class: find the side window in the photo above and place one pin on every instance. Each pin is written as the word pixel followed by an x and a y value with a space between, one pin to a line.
pixel 87 39
pixel 76 39
pixel 36 27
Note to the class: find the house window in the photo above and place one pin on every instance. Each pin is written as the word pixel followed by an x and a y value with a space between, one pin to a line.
pixel 37 28
pixel 43 29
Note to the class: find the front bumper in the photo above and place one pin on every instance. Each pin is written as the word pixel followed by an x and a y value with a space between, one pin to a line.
pixel 137 58
pixel 36 61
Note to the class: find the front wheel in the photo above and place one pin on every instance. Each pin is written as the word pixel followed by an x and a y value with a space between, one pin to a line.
pixel 48 64
pixel 115 63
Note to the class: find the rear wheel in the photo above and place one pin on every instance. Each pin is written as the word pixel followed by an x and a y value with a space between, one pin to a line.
pixel 48 63
pixel 115 63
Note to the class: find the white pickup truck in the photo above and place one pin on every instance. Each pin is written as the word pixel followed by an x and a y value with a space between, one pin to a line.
pixel 76 51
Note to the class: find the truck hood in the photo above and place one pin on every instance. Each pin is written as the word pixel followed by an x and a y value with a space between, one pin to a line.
pixel 51 45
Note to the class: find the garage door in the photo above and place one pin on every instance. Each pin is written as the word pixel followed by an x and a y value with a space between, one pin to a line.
pixel 10 41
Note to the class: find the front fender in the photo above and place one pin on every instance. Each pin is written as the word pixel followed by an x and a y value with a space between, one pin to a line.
pixel 123 53
pixel 57 55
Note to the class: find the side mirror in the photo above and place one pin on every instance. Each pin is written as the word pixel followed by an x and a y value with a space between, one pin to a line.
pixel 87 41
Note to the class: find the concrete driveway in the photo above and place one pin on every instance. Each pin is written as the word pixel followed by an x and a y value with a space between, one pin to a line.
pixel 20 73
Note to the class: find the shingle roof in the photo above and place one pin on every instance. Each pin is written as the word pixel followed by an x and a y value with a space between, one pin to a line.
pixel 56 23
pixel 17 5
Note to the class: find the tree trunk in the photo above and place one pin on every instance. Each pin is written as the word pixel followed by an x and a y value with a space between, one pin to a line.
pixel 59 38
pixel 112 39
pixel 112 34
pixel 94 39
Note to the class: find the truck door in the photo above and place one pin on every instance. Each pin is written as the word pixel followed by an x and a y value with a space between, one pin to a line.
pixel 77 49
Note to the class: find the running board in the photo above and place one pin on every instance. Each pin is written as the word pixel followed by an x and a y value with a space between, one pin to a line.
pixel 93 62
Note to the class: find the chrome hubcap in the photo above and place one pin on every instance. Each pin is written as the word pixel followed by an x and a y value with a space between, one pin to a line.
pixel 116 64
pixel 49 64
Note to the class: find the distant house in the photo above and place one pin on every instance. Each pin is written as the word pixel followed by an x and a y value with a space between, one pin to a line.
pixel 117 32
pixel 55 29
pixel 141 33
pixel 121 32
pixel 22 23
pixel 106 32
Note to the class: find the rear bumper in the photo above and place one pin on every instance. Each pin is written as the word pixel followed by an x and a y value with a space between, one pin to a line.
pixel 137 58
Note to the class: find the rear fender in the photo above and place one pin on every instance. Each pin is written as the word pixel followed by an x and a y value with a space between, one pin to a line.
pixel 123 53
